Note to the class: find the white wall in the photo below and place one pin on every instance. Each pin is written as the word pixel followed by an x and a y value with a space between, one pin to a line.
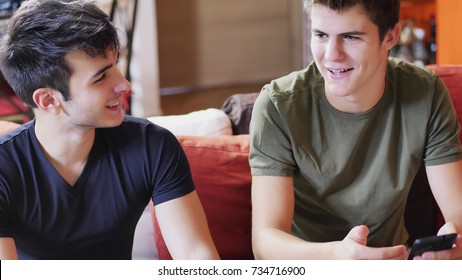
pixel 144 68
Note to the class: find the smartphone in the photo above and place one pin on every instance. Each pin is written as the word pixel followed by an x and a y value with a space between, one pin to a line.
pixel 432 243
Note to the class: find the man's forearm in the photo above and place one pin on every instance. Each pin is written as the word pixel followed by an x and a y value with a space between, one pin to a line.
pixel 8 249
pixel 276 244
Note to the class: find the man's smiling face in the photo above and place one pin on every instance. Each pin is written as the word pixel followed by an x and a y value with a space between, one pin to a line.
pixel 348 52
pixel 96 89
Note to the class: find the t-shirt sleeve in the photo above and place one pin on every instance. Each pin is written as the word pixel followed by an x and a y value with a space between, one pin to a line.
pixel 172 178
pixel 270 148
pixel 443 143
pixel 5 230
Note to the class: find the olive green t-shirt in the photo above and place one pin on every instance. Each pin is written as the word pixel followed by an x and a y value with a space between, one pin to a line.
pixel 352 169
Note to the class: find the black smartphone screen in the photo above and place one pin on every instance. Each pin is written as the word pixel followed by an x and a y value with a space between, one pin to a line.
pixel 432 243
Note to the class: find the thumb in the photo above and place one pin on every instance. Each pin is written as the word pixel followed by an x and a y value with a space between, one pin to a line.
pixel 447 228
pixel 359 234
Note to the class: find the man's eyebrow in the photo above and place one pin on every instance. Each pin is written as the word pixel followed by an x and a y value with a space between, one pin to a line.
pixel 316 30
pixel 102 70
pixel 350 33
pixel 353 33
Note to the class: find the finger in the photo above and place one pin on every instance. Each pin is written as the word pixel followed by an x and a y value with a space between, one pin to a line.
pixel 359 234
pixel 386 253
pixel 447 228
pixel 440 255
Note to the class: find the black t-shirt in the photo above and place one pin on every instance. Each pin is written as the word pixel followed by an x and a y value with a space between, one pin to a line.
pixel 95 218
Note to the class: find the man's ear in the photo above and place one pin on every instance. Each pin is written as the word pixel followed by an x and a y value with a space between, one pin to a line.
pixel 392 36
pixel 46 99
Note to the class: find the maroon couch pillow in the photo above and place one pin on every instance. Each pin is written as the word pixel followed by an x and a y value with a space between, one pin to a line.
pixel 452 76
pixel 221 172
pixel 11 107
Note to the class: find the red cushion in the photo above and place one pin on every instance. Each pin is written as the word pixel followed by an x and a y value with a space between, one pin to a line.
pixel 10 104
pixel 221 172
pixel 452 77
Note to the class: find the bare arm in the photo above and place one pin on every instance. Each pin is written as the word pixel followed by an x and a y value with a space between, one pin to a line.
pixel 446 184
pixel 8 249
pixel 272 214
pixel 184 228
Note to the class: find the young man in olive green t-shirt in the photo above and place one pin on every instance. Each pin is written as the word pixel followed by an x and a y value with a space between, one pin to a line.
pixel 335 147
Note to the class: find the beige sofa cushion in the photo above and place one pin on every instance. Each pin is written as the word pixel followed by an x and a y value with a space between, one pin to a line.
pixel 211 121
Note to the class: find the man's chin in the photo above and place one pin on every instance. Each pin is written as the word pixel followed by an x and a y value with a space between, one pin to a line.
pixel 113 122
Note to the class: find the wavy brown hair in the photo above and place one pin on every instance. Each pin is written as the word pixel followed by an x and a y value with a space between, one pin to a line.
pixel 41 33
pixel 383 13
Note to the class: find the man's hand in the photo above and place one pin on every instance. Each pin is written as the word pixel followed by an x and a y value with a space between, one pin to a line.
pixel 354 246
pixel 450 254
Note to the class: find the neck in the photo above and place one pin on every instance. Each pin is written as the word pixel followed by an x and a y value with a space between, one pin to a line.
pixel 358 103
pixel 66 147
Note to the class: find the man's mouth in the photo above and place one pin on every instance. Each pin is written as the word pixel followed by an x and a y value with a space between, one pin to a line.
pixel 339 71
pixel 113 105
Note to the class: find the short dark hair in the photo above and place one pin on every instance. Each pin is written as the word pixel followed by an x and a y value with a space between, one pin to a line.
pixel 41 33
pixel 383 13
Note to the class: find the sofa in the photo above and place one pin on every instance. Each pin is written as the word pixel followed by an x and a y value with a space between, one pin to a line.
pixel 216 142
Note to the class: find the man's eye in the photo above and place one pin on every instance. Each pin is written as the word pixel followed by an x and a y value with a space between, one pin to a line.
pixel 351 38
pixel 320 35
pixel 101 78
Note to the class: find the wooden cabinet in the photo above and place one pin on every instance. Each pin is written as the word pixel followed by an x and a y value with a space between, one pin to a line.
pixel 448 15
pixel 417 42
pixel 419 10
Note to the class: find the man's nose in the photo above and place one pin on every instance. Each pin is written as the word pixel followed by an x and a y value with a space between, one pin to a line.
pixel 334 50
pixel 123 85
